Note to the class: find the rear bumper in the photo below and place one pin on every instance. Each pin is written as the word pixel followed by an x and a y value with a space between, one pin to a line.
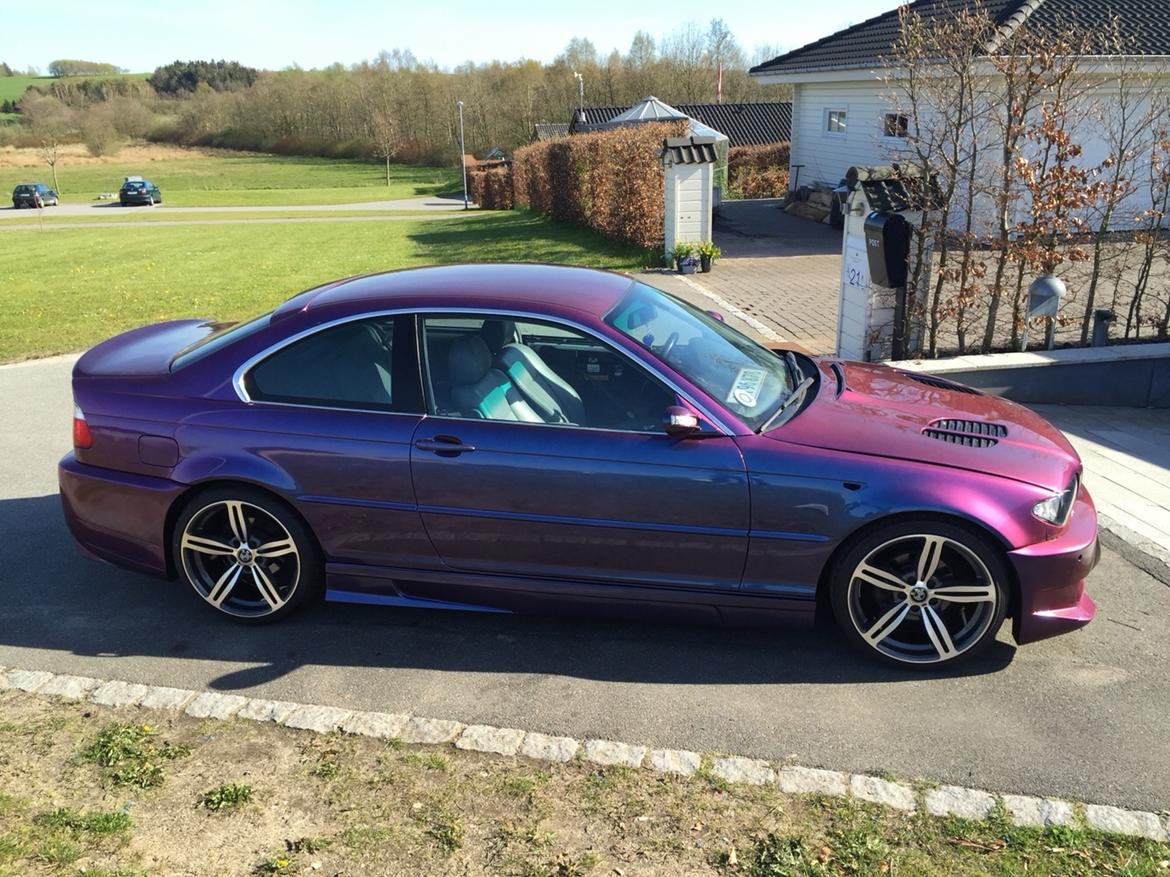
pixel 1052 578
pixel 118 517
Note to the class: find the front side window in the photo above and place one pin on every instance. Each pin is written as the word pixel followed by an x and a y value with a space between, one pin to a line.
pixel 534 371
pixel 364 364
pixel 835 121
pixel 746 378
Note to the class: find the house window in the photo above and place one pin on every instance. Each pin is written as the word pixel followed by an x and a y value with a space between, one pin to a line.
pixel 835 122
pixel 896 125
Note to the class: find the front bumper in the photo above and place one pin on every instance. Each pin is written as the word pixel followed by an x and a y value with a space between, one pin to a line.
pixel 118 517
pixel 1052 577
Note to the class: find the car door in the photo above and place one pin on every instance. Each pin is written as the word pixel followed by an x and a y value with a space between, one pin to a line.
pixel 610 499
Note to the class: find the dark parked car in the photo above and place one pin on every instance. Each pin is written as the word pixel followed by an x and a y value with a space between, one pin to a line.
pixel 29 194
pixel 136 190
pixel 532 438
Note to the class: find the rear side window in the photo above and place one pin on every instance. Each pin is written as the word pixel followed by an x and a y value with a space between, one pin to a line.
pixel 365 364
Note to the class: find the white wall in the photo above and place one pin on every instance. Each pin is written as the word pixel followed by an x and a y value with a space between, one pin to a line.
pixel 826 157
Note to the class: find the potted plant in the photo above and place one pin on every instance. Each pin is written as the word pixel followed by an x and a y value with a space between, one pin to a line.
pixel 708 253
pixel 685 258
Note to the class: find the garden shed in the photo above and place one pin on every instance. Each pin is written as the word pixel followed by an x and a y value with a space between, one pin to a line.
pixel 688 168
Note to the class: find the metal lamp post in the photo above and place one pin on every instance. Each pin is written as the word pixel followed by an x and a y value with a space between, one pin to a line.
pixel 462 155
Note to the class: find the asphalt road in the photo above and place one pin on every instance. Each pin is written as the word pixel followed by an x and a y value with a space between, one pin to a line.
pixel 1085 716
pixel 436 203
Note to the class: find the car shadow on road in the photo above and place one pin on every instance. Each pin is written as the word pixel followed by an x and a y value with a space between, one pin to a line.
pixel 58 601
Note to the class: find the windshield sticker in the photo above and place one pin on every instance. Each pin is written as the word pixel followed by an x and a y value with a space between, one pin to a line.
pixel 746 388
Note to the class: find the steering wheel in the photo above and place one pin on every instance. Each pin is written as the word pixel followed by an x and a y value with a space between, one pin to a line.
pixel 669 345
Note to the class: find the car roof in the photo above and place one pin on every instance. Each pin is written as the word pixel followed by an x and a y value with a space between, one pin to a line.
pixel 583 290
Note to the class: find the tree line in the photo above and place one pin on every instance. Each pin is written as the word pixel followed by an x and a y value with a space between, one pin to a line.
pixel 396 106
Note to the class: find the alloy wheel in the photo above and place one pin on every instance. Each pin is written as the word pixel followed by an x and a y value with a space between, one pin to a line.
pixel 240 558
pixel 922 598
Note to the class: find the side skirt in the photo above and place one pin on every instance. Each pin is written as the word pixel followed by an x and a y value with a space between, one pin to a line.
pixel 477 592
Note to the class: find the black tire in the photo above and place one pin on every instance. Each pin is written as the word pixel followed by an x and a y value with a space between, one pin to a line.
pixel 258 592
pixel 966 592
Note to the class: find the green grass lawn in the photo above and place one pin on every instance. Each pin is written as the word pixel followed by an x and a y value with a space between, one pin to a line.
pixel 235 180
pixel 116 215
pixel 92 283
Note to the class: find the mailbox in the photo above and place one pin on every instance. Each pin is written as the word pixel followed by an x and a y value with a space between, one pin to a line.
pixel 887 243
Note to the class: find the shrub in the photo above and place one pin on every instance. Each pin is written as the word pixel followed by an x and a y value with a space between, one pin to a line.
pixel 610 181
pixel 758 171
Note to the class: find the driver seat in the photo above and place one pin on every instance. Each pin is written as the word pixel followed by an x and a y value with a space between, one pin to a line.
pixel 547 392
pixel 478 390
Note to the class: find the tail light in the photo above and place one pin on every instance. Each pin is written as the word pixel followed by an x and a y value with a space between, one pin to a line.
pixel 81 435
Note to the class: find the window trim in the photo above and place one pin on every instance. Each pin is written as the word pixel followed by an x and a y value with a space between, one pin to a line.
pixel 835 111
pixel 720 423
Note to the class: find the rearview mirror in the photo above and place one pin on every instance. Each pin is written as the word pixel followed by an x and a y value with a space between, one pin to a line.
pixel 715 315
pixel 679 421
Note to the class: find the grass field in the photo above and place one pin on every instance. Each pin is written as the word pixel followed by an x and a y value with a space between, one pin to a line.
pixel 203 178
pixel 92 283
pixel 86 790
pixel 14 87
pixel 51 218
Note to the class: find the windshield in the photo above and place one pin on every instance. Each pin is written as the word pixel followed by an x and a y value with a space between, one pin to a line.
pixel 748 379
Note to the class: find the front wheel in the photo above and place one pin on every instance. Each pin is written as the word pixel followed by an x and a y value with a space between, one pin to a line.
pixel 247 555
pixel 921 593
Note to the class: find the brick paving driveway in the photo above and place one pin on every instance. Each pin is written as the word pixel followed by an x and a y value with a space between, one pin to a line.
pixel 779 269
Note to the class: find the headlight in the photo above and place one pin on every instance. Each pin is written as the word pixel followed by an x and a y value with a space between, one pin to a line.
pixel 1056 509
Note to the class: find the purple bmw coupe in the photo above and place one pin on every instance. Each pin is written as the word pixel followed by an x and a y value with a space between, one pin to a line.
pixel 532 438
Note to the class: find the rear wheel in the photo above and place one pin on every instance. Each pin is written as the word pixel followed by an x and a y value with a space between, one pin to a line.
pixel 247 555
pixel 921 593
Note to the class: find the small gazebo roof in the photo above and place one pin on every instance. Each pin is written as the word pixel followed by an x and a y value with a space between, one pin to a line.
pixel 651 109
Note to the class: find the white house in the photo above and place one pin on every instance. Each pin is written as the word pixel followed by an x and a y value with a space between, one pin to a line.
pixel 845 109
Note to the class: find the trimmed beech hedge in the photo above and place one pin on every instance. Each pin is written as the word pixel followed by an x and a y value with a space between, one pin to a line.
pixel 610 181
pixel 758 171
pixel 490 185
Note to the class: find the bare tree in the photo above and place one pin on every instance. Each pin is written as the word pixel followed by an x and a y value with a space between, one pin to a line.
pixel 938 94
pixel 52 124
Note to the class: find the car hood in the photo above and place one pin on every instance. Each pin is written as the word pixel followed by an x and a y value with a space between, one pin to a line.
pixel 883 411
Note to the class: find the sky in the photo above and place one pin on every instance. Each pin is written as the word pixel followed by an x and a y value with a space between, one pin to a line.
pixel 140 35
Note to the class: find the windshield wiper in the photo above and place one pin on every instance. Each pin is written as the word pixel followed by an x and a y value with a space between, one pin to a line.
pixel 796 396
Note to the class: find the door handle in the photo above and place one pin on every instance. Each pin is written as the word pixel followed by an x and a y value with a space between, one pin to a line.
pixel 443 445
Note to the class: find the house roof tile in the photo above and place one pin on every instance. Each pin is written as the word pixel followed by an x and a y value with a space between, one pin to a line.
pixel 1144 23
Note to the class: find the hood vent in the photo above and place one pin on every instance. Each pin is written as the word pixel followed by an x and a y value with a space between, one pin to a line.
pixel 969 433
pixel 940 384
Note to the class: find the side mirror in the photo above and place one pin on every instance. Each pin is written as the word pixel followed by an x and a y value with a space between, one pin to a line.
pixel 715 315
pixel 680 422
